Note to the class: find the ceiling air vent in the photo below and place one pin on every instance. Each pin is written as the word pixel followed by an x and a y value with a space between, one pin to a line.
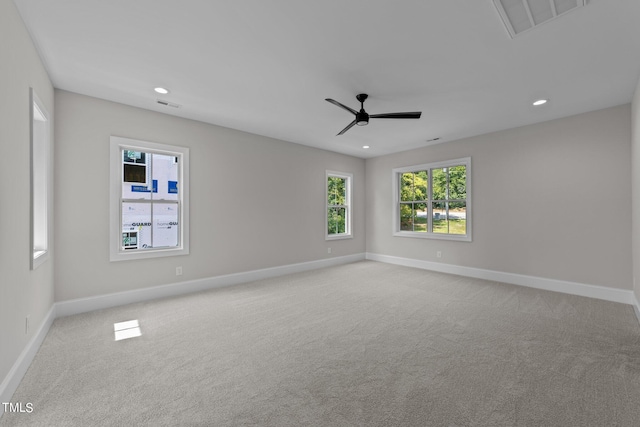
pixel 167 103
pixel 522 15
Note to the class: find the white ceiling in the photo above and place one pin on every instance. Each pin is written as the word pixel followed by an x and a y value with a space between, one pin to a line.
pixel 266 66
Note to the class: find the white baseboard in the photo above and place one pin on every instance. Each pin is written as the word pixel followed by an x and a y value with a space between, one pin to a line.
pixel 573 288
pixel 19 368
pixel 636 307
pixel 82 305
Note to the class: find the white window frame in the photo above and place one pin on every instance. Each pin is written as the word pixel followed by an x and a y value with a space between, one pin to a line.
pixel 116 252
pixel 348 234
pixel 397 173
pixel 40 186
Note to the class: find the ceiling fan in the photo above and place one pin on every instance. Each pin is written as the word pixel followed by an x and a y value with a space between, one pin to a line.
pixel 362 117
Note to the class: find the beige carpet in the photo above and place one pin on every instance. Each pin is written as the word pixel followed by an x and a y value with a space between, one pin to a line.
pixel 365 344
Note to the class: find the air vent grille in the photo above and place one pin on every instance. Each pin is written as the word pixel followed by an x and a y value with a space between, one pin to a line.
pixel 523 15
pixel 167 103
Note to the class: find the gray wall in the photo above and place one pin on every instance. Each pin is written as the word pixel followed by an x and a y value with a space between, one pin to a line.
pixel 550 200
pixel 255 202
pixel 635 158
pixel 22 291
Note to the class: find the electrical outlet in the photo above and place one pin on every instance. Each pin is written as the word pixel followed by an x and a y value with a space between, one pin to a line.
pixel 26 324
pixel 439 254
pixel 328 250
pixel 178 271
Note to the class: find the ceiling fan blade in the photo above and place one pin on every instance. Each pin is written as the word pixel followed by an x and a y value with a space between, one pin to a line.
pixel 349 126
pixel 334 102
pixel 413 115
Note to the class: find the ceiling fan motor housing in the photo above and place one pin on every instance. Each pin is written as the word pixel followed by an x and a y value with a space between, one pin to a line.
pixel 362 118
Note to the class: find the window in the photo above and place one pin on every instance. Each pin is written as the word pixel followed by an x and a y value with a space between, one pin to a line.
pixel 433 200
pixel 40 155
pixel 338 220
pixel 149 200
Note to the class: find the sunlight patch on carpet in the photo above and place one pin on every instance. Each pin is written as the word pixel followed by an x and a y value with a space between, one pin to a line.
pixel 128 329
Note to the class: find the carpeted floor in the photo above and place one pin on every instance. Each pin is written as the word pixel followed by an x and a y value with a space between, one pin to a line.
pixel 364 344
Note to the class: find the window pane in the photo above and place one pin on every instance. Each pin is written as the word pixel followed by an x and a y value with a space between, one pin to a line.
pixel 130 240
pixel 134 157
pixel 457 218
pixel 134 166
pixel 420 217
pixel 440 220
pixel 439 177
pixel 165 225
pixel 165 177
pixel 420 184
pixel 406 217
pixel 413 217
pixel 336 220
pixel 136 220
pixel 39 176
pixel 336 190
pixel 135 175
pixel 451 221
pixel 458 183
pixel 406 187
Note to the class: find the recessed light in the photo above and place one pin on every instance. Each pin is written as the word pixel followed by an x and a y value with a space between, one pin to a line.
pixel 161 90
pixel 365 146
pixel 540 102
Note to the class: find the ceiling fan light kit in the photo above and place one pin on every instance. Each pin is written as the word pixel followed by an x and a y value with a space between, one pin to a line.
pixel 362 117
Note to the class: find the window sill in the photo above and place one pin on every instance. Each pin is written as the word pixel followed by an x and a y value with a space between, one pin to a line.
pixel 39 258
pixel 338 236
pixel 149 253
pixel 417 235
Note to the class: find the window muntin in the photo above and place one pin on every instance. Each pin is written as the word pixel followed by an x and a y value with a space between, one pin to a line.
pixel 338 205
pixel 40 160
pixel 433 200
pixel 149 199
